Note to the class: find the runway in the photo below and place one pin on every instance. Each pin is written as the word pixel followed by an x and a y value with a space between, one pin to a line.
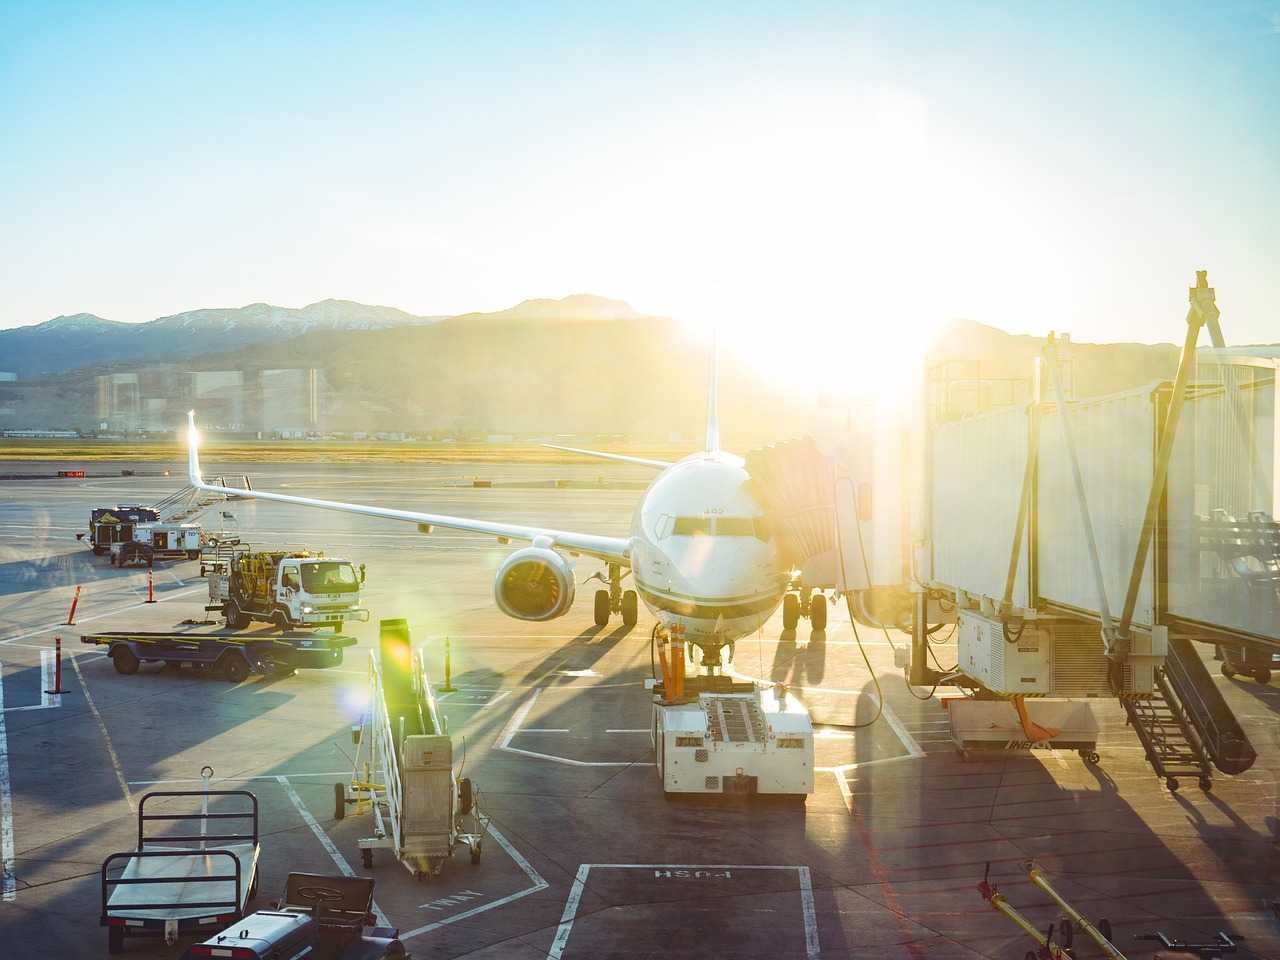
pixel 586 858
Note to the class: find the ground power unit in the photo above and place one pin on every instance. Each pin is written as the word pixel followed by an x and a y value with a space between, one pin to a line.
pixel 1052 657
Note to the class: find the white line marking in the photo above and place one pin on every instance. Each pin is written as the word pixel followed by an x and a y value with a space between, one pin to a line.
pixel 543 730
pixel 570 911
pixel 630 730
pixel 812 947
pixel 513 727
pixel 329 846
pixel 102 726
pixel 273 776
pixel 62 625
pixel 10 881
pixel 535 879
pixel 48 699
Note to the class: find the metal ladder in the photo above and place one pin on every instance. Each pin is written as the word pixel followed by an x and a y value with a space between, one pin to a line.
pixel 1173 749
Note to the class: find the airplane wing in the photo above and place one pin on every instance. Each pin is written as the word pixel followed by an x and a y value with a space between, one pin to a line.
pixel 621 458
pixel 614 549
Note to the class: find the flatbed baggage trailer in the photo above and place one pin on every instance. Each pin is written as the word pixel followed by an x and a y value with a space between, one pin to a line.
pixel 175 885
pixel 232 657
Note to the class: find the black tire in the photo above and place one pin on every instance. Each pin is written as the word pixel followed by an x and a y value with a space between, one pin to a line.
pixel 1172 784
pixel 366 858
pixel 1262 675
pixel 339 801
pixel 235 669
pixel 601 610
pixel 115 940
pixel 236 620
pixel 466 796
pixel 630 608
pixel 818 612
pixel 125 660
pixel 790 611
pixel 1228 669
pixel 475 854
pixel 193 554
pixel 1206 784
pixel 280 620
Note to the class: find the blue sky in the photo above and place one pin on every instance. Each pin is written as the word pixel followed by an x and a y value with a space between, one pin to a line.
pixel 817 167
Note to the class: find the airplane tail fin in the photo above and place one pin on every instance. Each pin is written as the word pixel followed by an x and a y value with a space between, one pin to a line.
pixel 713 389
pixel 193 458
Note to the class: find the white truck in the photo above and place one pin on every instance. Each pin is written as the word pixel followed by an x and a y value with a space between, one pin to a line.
pixel 299 589
pixel 153 541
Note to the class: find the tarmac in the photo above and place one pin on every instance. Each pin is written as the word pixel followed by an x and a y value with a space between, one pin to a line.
pixel 585 859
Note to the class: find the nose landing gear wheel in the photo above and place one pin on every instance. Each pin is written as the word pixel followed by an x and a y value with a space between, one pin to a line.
pixel 601 610
pixel 790 611
pixel 818 612
pixel 630 609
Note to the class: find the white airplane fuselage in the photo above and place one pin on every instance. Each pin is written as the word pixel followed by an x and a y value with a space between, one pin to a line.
pixel 702 556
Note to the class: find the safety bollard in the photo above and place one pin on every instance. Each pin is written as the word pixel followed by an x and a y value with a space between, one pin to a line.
pixel 151 587
pixel 448 669
pixel 71 616
pixel 57 667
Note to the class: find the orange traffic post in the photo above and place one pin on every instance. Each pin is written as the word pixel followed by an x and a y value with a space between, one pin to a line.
pixel 71 615
pixel 151 587
pixel 57 667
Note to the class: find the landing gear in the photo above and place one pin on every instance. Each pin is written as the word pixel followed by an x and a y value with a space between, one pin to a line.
pixel 790 611
pixel 616 600
pixel 818 612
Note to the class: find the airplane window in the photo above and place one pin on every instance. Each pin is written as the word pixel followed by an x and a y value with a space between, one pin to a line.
pixel 692 527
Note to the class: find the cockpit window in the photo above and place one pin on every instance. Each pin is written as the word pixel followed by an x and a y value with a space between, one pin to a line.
pixel 756 527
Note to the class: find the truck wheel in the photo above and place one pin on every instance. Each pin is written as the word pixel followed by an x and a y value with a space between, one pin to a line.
pixel 235 669
pixel 601 610
pixel 818 612
pixel 281 621
pixel 193 554
pixel 790 611
pixel 115 940
pixel 339 801
pixel 236 620
pixel 125 660
pixel 630 609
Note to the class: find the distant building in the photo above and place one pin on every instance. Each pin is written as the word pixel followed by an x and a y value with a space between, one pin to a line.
pixel 218 397
pixel 7 377
pixel 118 400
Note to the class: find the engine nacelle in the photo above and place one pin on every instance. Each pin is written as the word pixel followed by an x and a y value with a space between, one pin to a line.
pixel 535 584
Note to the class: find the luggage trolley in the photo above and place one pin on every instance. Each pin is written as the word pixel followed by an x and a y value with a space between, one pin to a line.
pixel 174 885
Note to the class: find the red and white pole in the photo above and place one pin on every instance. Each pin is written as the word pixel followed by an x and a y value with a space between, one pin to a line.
pixel 57 667
pixel 71 616
pixel 151 587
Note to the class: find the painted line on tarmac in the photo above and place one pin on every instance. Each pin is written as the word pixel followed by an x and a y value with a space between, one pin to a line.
pixel 97 616
pixel 535 880
pixel 329 846
pixel 111 750
pixel 273 776
pixel 9 884
pixel 513 727
pixel 812 947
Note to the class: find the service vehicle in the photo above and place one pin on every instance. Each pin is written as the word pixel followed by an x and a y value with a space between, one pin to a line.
pixel 157 541
pixel 301 589
pixel 321 917
pixel 112 525
pixel 178 883
pixel 233 658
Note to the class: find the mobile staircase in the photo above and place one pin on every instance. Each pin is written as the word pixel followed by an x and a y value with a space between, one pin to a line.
pixel 403 770
pixel 1186 725
pixel 189 503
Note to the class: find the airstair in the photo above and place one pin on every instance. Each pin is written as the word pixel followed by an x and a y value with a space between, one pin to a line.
pixel 1186 725
pixel 188 503
pixel 403 771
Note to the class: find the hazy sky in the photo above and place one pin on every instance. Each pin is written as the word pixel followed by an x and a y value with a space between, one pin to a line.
pixel 850 170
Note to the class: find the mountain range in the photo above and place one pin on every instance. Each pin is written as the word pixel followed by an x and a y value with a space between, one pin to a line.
pixel 83 340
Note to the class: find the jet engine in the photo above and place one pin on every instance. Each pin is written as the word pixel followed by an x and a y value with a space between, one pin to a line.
pixel 535 584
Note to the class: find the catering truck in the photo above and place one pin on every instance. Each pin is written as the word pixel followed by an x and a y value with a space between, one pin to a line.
pixel 299 589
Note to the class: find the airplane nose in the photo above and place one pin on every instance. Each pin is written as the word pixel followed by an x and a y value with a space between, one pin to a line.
pixel 719 568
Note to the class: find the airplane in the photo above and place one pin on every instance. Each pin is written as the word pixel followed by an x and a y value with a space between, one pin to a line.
pixel 700 552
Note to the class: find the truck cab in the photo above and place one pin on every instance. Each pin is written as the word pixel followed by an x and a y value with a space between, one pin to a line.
pixel 287 589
